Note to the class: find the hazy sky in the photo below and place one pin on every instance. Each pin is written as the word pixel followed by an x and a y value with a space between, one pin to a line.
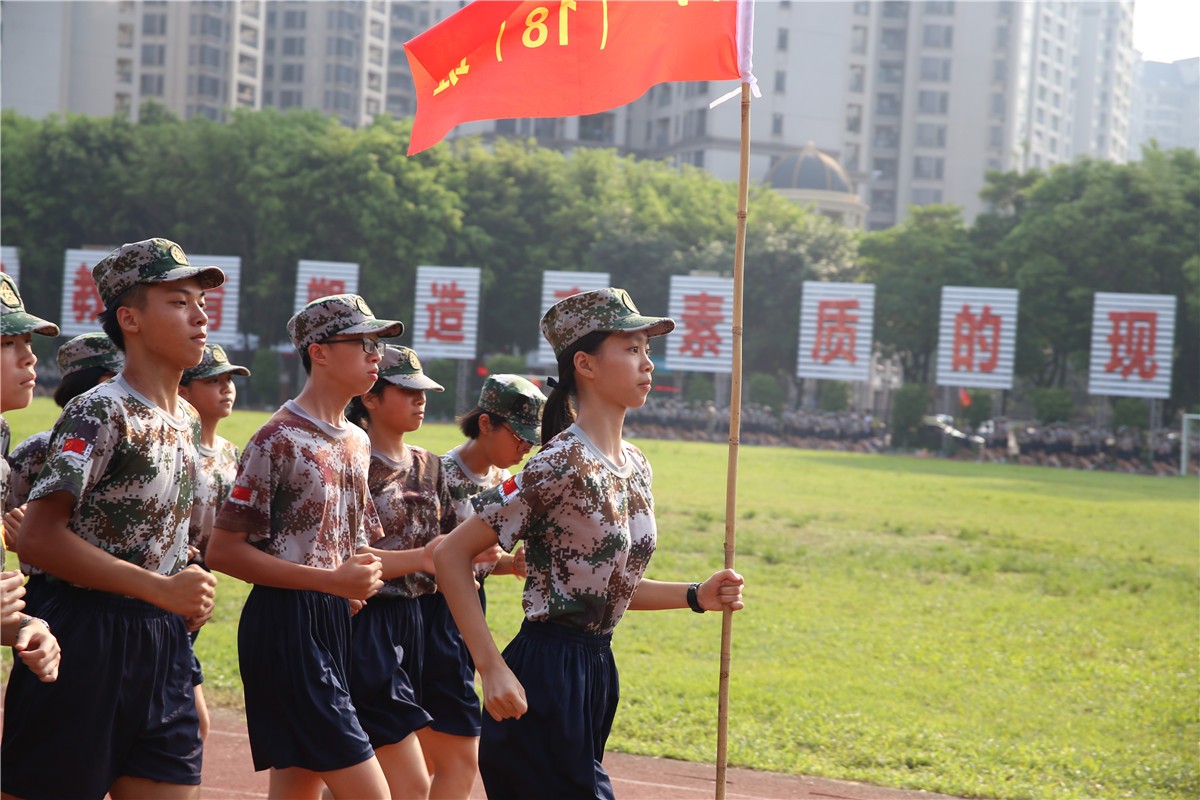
pixel 1166 30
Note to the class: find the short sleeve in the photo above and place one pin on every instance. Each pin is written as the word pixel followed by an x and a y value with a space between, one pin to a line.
pixel 517 505
pixel 81 445
pixel 248 507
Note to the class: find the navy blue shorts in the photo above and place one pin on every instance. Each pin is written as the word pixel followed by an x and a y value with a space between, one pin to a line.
pixel 294 654
pixel 379 687
pixel 122 705
pixel 554 750
pixel 197 671
pixel 446 687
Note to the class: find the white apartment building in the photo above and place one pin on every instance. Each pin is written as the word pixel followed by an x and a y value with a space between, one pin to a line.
pixel 102 58
pixel 331 56
pixel 1166 106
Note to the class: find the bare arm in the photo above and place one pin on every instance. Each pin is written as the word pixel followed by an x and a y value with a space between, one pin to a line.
pixel 503 695
pixel 358 578
pixel 402 562
pixel 723 588
pixel 51 545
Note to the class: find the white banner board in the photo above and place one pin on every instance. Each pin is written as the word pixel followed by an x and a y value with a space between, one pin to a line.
pixel 221 303
pixel 446 312
pixel 1133 337
pixel 557 285
pixel 316 279
pixel 703 312
pixel 81 303
pixel 977 337
pixel 836 330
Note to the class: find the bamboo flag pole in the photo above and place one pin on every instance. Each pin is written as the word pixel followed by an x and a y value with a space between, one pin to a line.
pixel 735 427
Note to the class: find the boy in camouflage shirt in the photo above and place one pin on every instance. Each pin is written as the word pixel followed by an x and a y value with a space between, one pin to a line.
pixel 107 521
pixel 30 637
pixel 298 524
pixel 584 509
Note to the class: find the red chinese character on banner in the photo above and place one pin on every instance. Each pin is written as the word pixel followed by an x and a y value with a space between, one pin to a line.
pixel 214 305
pixel 563 294
pixel 837 330
pixel 323 287
pixel 1133 338
pixel 971 337
pixel 86 304
pixel 446 313
pixel 701 313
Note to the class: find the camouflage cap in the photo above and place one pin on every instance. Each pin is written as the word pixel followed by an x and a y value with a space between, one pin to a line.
pixel 598 310
pixel 401 366
pixel 214 362
pixel 90 350
pixel 337 315
pixel 518 401
pixel 14 319
pixel 148 261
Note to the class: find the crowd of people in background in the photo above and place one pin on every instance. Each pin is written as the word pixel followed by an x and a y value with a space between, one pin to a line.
pixel 1056 444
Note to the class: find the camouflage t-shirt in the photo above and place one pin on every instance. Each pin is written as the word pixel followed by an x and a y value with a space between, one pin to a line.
pixel 301 490
pixel 588 527
pixel 218 468
pixel 132 470
pixel 5 436
pixel 26 461
pixel 414 506
pixel 464 484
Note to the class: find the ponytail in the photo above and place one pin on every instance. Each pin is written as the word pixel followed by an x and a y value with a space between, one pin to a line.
pixel 559 412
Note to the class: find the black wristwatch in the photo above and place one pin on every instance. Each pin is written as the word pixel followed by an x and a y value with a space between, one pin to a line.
pixel 693 598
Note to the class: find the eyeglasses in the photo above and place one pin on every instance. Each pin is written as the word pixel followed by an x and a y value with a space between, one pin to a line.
pixel 521 443
pixel 369 346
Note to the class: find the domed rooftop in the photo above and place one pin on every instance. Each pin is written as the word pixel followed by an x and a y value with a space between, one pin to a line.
pixel 808 168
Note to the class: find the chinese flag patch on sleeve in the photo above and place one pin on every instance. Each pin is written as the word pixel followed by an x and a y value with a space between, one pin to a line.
pixel 508 488
pixel 242 494
pixel 77 448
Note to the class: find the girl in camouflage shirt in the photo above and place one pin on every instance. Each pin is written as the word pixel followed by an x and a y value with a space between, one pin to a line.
pixel 584 509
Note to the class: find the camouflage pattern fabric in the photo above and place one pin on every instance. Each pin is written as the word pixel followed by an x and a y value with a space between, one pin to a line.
pixel 400 366
pixel 148 261
pixel 5 470
pixel 132 469
pixel 14 319
pixel 26 461
pixel 214 362
pixel 414 506
pixel 337 315
pixel 218 469
pixel 90 350
pixel 301 490
pixel 588 527
pixel 518 401
pixel 610 309
pixel 462 484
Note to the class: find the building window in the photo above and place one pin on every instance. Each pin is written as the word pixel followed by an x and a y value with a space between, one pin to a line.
pixel 124 37
pixel 152 85
pixel 935 69
pixel 926 197
pixel 154 24
pixel 292 73
pixel 883 200
pixel 933 102
pixel 853 118
pixel 892 38
pixel 929 135
pixel 858 39
pixel 248 36
pixel 290 98
pixel 937 36
pixel 780 82
pixel 245 96
pixel 939 8
pixel 597 128
pixel 883 168
pixel 781 39
pixel 153 55
pixel 293 46
pixel 122 104
pixel 857 78
pixel 294 20
pixel 886 136
pixel 999 71
pixel 124 70
pixel 777 124
pixel 891 72
pixel 887 103
pixel 998 104
pixel 928 167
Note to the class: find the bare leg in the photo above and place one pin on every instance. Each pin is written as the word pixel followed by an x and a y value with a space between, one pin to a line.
pixel 130 788
pixel 404 767
pixel 453 761
pixel 363 781
pixel 202 711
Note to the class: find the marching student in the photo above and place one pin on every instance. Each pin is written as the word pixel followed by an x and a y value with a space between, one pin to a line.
pixel 405 643
pixel 30 637
pixel 107 522
pixel 584 508
pixel 83 362
pixel 209 387
pixel 501 430
pixel 298 524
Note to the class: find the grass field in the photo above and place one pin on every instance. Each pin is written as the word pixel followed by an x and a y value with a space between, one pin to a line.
pixel 979 630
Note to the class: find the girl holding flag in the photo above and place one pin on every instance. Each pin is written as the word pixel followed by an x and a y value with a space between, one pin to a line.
pixel 584 509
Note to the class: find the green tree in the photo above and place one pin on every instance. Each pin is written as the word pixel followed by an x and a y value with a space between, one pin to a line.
pixel 909 264
pixel 908 407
